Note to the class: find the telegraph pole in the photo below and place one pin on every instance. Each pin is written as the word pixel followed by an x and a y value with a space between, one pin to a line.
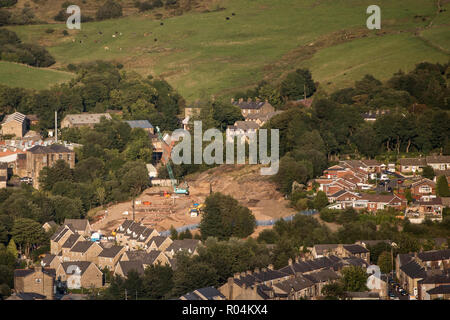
pixel 133 209
pixel 56 126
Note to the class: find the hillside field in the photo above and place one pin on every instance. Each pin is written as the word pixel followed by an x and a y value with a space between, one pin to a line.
pixel 19 75
pixel 204 54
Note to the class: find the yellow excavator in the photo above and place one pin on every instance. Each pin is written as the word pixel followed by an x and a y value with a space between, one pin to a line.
pixel 196 209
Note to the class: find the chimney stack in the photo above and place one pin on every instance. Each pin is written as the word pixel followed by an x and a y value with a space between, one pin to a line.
pixel 256 270
pixel 241 100
pixel 270 267
pixel 232 100
pixel 290 261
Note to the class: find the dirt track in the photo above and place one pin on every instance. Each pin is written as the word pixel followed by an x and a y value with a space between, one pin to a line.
pixel 244 183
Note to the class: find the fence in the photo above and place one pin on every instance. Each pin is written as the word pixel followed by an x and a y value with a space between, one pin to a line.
pixel 270 222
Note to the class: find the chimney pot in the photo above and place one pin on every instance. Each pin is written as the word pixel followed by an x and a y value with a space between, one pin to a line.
pixel 256 270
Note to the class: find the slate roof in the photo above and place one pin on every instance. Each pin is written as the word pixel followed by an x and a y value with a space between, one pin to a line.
pixel 54 148
pixel 322 276
pixel 16 116
pixel 48 259
pixel 434 255
pixel 413 162
pixel 436 278
pixel 25 272
pixel 254 105
pixel 244 125
pixel 26 296
pixel 444 289
pixel 190 296
pixel 78 224
pixel 184 244
pixel 82 246
pixel 82 265
pixel 87 118
pixel 127 266
pixel 159 240
pixel 59 233
pixel 210 293
pixel 413 270
pixel 71 240
pixel 297 283
pixel 110 252
pixel 144 124
pixel 355 248
pixel 438 159
pixel 321 248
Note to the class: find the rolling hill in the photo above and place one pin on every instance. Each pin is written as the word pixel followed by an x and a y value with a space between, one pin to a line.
pixel 204 53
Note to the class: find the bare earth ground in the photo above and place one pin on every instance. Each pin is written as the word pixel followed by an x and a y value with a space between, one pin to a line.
pixel 242 182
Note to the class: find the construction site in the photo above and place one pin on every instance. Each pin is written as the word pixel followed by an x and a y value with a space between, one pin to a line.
pixel 161 208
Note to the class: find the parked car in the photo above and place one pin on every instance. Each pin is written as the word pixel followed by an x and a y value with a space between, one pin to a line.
pixel 26 180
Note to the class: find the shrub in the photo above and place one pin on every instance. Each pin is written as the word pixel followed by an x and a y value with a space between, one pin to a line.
pixel 109 10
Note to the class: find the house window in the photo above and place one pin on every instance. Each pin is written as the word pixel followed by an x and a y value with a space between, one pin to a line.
pixel 60 156
pixel 425 189
pixel 38 280
pixel 68 157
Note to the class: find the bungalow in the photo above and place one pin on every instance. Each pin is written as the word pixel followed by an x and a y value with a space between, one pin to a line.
pixel 80 274
pixel 412 165
pixel 439 162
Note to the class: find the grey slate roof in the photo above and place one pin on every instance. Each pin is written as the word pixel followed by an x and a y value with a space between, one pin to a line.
pixel 82 246
pixel 444 289
pixel 54 148
pixel 210 293
pixel 413 270
pixel 127 266
pixel 297 283
pixel 110 252
pixel 184 244
pixel 434 255
pixel 71 240
pixel 78 224
pixel 82 265
pixel 355 248
pixel 144 124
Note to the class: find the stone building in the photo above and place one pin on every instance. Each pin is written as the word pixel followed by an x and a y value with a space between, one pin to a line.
pixel 38 280
pixel 39 157
pixel 83 120
pixel 15 124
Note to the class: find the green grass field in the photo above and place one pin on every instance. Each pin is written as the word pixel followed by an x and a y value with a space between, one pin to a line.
pixel 18 75
pixel 202 54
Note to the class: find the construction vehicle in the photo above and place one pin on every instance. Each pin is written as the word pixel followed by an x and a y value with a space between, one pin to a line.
pixel 196 209
pixel 176 189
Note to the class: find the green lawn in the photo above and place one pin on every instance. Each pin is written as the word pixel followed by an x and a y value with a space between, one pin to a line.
pixel 203 53
pixel 19 75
